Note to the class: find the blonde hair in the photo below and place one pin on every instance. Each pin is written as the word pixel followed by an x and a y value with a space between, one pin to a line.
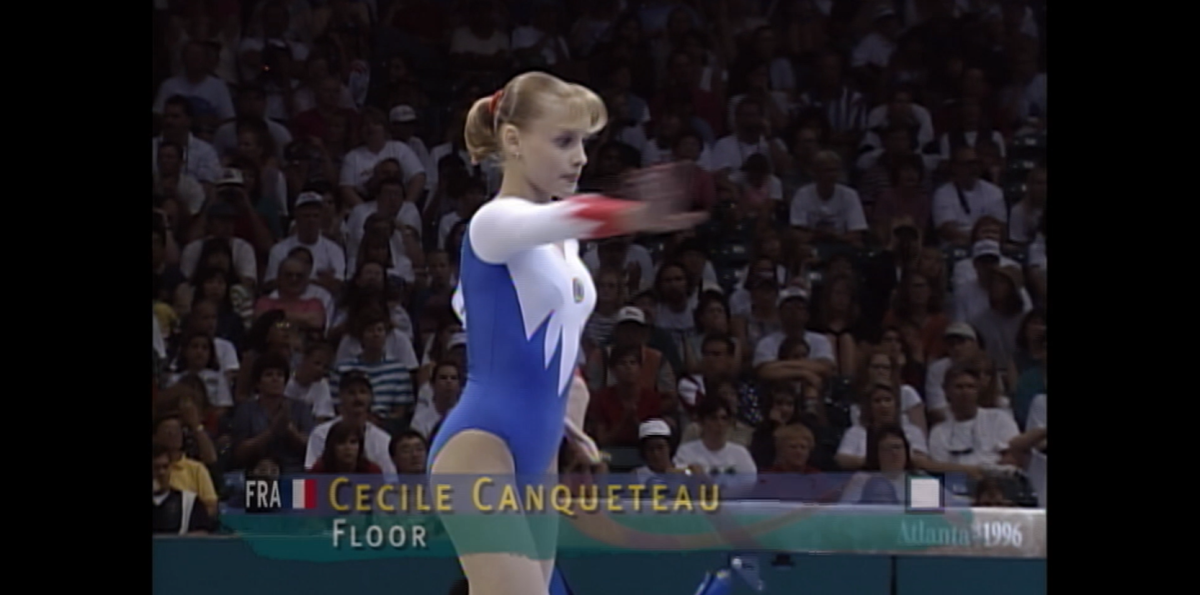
pixel 522 101
pixel 794 432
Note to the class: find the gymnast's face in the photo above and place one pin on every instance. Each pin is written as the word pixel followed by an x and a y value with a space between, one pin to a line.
pixel 549 152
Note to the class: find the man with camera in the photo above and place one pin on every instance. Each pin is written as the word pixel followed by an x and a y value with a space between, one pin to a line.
pixel 222 218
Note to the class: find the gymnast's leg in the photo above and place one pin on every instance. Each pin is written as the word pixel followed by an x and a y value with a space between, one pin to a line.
pixel 490 570
pixel 545 530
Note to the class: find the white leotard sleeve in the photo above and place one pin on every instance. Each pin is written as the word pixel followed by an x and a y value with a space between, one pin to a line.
pixel 506 226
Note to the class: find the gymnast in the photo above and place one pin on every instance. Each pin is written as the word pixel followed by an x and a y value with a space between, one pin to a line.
pixel 524 296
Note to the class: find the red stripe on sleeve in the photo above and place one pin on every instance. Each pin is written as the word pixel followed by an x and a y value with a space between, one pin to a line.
pixel 310 494
pixel 606 211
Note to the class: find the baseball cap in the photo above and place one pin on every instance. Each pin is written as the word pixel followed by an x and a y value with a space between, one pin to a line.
pixel 631 314
pixel 961 329
pixel 654 427
pixel 985 248
pixel 353 377
pixel 308 198
pixel 402 113
pixel 790 293
pixel 231 177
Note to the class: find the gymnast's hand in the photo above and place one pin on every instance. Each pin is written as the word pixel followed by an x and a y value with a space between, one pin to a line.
pixel 583 444
pixel 664 191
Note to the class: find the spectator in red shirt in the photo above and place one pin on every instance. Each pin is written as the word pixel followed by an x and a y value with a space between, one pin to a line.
pixel 683 75
pixel 315 122
pixel 303 310
pixel 344 452
pixel 619 409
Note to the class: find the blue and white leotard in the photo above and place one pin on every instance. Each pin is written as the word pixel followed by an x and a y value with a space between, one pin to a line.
pixel 524 296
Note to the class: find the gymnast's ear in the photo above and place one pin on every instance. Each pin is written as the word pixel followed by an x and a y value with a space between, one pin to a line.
pixel 510 140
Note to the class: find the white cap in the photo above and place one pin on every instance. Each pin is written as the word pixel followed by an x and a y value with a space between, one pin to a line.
pixel 985 248
pixel 654 427
pixel 308 198
pixel 231 177
pixel 792 292
pixel 456 340
pixel 710 286
pixel 631 314
pixel 403 113
pixel 961 329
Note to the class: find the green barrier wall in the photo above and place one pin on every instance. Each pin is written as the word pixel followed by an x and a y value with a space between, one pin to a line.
pixel 229 567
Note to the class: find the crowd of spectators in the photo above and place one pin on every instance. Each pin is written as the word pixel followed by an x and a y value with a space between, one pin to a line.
pixel 869 294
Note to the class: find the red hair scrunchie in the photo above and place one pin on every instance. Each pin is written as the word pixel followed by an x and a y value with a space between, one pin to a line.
pixel 495 101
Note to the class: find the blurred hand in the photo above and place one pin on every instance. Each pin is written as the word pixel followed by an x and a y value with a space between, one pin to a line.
pixel 281 421
pixel 189 414
pixel 585 447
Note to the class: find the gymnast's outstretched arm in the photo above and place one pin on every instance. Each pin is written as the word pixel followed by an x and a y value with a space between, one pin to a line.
pixel 506 226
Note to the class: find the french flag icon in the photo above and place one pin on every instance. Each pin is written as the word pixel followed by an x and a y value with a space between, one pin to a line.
pixel 303 494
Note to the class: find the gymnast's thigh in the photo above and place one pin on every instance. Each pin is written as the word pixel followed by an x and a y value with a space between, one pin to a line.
pixel 545 535
pixel 462 457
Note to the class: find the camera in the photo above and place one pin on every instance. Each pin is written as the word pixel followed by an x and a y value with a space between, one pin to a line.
pixel 230 195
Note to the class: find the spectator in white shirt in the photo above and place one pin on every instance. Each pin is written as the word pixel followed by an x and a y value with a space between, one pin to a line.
pixel 875 50
pixel 827 209
pixel 358 166
pixel 1026 215
pixel 713 457
pixel 219 223
pixel 776 105
pixel 1000 322
pixel 962 346
pixel 620 253
pixel 751 136
pixel 199 158
pixel 539 43
pixel 1032 445
pixel 959 203
pixel 792 305
pixel 403 119
pixel 196 83
pixel 676 307
pixel 985 242
pixel 447 388
pixel 276 21
pixel 974 440
pixel 973 298
pixel 171 182
pixel 466 194
pixel 480 45
pixel 308 384
pixel 251 105
pixel 329 261
pixel 880 408
pixel 901 111
pixel 389 206
pixel 1025 98
pixel 766 48
pixel 354 406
